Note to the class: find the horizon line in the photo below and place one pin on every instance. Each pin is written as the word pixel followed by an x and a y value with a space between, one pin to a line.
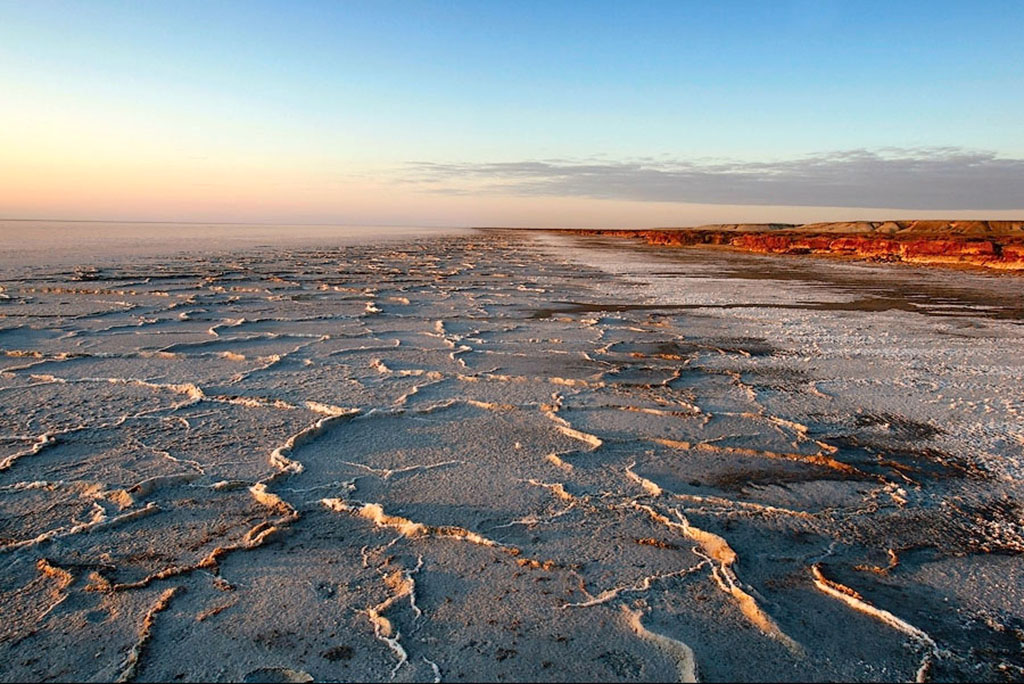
pixel 478 226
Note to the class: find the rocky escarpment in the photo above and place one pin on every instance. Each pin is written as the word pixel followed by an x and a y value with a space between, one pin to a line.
pixel 990 244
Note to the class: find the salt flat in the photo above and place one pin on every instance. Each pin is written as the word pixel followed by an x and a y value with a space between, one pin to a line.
pixel 507 455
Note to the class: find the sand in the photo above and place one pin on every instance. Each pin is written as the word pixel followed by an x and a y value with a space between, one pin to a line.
pixel 508 456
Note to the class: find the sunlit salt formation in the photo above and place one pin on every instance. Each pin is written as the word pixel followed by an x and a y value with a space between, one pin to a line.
pixel 509 455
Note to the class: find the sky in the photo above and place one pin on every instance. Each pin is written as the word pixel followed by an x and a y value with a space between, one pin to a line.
pixel 511 113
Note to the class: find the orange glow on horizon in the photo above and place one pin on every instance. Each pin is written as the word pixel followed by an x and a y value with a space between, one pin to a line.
pixel 51 185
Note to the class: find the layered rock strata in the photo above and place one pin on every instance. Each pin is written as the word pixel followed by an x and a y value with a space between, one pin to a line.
pixel 989 244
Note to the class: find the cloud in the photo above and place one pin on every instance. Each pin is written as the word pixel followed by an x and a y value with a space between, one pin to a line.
pixel 935 178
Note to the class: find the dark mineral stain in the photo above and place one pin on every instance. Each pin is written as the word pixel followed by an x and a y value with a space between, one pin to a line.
pixel 336 653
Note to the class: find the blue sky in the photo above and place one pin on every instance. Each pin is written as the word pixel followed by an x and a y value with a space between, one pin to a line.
pixel 334 103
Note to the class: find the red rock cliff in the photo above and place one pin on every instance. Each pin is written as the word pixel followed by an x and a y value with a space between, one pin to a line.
pixel 991 244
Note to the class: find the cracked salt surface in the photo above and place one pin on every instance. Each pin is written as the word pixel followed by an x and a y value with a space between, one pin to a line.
pixel 508 455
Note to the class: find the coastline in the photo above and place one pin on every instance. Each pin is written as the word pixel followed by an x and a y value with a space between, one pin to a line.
pixel 995 245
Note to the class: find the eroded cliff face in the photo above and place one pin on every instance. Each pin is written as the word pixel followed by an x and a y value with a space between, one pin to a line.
pixel 990 244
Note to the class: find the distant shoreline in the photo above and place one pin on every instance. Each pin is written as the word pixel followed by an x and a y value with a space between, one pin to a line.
pixel 988 244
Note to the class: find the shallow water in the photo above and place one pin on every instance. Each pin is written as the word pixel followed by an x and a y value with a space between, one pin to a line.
pixel 507 455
